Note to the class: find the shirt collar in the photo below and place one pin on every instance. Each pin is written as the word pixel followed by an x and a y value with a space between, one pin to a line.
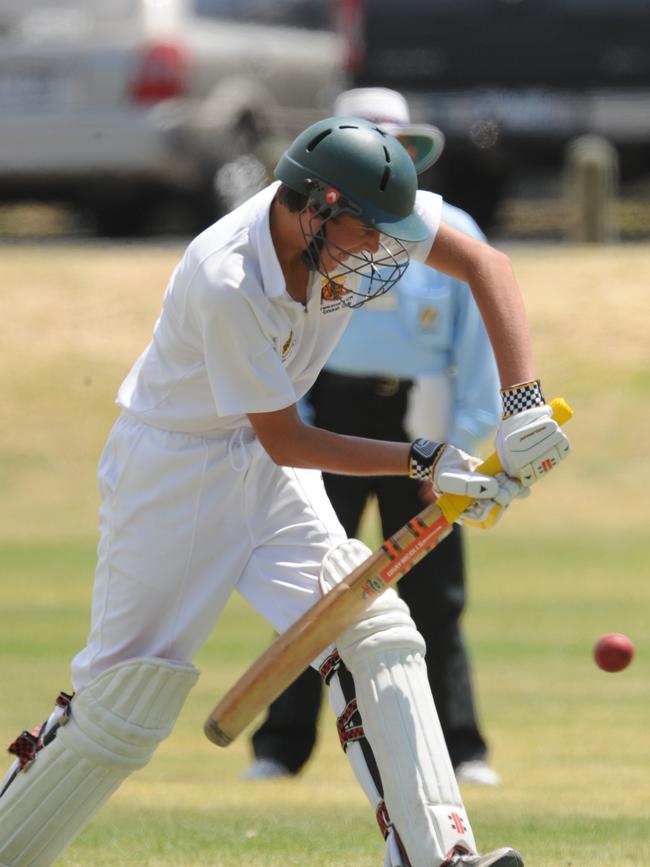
pixel 273 282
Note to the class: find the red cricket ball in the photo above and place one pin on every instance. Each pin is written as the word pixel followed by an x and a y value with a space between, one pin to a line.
pixel 613 651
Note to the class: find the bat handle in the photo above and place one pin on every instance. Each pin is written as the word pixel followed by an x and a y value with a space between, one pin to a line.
pixel 453 505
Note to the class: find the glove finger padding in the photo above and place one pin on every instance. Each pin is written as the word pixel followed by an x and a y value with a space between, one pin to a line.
pixel 454 474
pixel 530 444
pixel 484 514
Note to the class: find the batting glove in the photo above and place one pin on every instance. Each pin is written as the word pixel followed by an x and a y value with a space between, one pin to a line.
pixel 484 514
pixel 450 470
pixel 528 441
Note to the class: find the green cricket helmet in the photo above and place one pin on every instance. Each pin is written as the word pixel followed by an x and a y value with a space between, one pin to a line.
pixel 351 166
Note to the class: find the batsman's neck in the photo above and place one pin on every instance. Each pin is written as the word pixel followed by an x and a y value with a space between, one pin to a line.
pixel 289 244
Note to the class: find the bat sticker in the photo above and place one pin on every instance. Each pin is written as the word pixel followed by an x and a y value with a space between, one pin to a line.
pixel 424 539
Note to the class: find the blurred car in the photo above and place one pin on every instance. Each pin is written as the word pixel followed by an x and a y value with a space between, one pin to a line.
pixel 510 83
pixel 117 106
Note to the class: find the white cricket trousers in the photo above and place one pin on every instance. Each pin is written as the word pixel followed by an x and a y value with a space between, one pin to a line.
pixel 185 520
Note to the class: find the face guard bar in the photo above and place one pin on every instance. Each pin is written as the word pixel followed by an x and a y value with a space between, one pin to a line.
pixel 379 271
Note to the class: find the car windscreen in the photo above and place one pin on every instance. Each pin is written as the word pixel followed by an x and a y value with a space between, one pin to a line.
pixel 98 8
pixel 49 19
pixel 311 14
pixel 558 43
pixel 597 7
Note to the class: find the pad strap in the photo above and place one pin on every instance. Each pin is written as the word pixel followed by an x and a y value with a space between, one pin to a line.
pixel 331 665
pixel 28 743
pixel 348 722
pixel 349 725
pixel 395 845
pixel 383 819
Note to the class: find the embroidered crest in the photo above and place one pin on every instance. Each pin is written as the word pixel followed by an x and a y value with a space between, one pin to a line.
pixel 428 317
pixel 286 347
pixel 332 291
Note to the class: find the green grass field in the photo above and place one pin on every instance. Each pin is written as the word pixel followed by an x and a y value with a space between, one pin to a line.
pixel 570 741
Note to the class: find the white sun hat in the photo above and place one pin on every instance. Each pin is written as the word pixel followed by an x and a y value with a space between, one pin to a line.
pixel 389 110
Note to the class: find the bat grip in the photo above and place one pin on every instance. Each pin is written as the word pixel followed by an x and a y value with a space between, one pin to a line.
pixel 453 505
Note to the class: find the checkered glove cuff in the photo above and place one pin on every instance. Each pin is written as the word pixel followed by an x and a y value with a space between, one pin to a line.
pixel 423 457
pixel 517 398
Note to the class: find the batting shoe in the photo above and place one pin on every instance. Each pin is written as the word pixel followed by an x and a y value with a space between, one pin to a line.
pixel 265 769
pixel 476 772
pixel 505 857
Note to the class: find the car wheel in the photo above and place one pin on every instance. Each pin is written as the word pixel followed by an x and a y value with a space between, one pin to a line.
pixel 123 215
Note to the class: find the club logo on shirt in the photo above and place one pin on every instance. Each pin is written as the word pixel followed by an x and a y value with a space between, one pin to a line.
pixel 331 294
pixel 428 317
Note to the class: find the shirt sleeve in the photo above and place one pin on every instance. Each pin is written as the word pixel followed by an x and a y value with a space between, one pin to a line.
pixel 244 369
pixel 461 220
pixel 429 206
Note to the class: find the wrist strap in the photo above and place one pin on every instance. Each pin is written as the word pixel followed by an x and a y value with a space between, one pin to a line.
pixel 423 457
pixel 517 398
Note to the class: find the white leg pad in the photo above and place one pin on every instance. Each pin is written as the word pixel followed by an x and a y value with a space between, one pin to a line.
pixel 384 652
pixel 115 724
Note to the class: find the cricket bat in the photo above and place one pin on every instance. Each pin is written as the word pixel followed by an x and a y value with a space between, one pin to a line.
pixel 298 646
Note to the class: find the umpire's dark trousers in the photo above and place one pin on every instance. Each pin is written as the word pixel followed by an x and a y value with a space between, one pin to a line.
pixel 434 589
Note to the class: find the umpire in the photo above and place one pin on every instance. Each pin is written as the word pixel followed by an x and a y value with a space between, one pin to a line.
pixel 414 360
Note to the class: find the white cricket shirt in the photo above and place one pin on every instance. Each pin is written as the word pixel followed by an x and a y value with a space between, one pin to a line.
pixel 230 340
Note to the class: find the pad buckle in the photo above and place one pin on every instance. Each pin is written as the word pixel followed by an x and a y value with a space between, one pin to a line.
pixel 349 725
pixel 28 743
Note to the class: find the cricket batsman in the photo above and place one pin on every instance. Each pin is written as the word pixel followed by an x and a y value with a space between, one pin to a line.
pixel 211 483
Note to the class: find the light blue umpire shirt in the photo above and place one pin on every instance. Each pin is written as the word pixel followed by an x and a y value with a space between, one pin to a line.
pixel 428 328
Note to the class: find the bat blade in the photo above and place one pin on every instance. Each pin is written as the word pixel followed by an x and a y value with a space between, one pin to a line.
pixel 289 655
